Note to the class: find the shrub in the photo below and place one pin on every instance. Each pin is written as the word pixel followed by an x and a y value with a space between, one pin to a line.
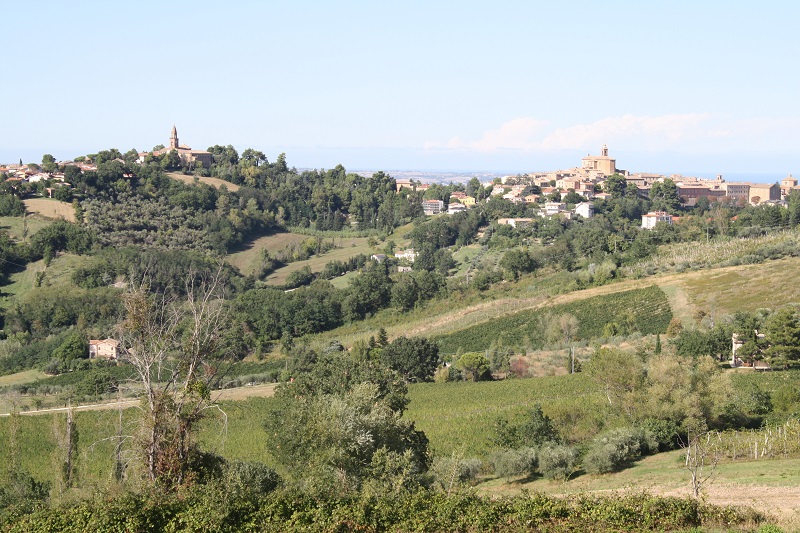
pixel 250 477
pixel 511 463
pixel 557 462
pixel 449 471
pixel 618 448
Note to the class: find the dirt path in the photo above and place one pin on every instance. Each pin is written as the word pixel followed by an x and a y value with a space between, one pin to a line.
pixel 234 394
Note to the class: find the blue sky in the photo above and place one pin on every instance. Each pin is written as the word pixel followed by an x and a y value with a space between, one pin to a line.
pixel 673 87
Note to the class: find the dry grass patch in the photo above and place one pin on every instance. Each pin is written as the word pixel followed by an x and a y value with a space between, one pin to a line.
pixel 248 259
pixel 50 208
pixel 744 288
pixel 28 376
pixel 349 247
pixel 214 182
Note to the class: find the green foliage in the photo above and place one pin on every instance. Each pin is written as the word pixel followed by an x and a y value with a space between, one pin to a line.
pixel 533 431
pixel 617 448
pixel 783 335
pixel 415 358
pixel 646 311
pixel 557 461
pixel 75 346
pixel 475 365
pixel 11 205
pixel 340 427
pixel 213 508
pixel 511 463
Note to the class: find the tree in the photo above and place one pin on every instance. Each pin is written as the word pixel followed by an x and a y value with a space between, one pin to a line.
pixel 340 426
pixel 415 358
pixel 475 365
pixel 516 261
pixel 75 346
pixel 664 196
pixel 48 163
pixel 621 375
pixel 782 332
pixel 175 348
pixel 616 185
pixel 535 430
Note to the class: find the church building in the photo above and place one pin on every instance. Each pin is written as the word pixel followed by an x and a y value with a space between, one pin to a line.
pixel 601 163
pixel 188 156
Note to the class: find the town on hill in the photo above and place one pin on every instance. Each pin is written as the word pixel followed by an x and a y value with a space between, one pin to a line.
pixel 383 340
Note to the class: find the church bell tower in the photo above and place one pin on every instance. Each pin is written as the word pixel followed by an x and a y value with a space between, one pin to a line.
pixel 173 138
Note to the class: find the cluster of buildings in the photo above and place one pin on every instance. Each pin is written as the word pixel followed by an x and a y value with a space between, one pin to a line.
pixel 22 173
pixel 588 179
pixel 189 157
pixel 594 170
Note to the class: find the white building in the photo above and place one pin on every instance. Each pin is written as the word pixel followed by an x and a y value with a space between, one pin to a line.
pixel 652 218
pixel 585 209
pixel 433 207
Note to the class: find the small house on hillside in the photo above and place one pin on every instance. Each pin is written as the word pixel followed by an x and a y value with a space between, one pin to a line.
pixel 104 349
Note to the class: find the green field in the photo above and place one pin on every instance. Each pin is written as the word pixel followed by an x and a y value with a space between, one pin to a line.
pixel 58 273
pixel 14 225
pixel 248 260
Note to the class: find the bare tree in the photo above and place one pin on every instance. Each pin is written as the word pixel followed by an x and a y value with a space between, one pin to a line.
pixel 701 455
pixel 174 346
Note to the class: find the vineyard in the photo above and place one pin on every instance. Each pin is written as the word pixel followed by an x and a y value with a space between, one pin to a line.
pixel 646 311
pixel 722 251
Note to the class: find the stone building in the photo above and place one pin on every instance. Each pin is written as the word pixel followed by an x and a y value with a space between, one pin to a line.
pixel 188 156
pixel 601 163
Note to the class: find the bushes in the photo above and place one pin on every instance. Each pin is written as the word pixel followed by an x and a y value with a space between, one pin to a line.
pixel 212 508
pixel 512 463
pixel 618 448
pixel 557 462
pixel 450 471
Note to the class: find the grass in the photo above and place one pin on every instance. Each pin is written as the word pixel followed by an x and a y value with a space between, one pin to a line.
pixel 59 272
pixel 351 247
pixel 50 208
pixel 744 288
pixel 28 376
pixel 248 260
pixel 459 417
pixel 214 182
pixel 14 225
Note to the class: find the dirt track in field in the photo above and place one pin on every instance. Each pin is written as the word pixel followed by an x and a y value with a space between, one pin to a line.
pixel 238 393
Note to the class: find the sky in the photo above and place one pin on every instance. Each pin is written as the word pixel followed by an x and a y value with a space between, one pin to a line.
pixel 688 87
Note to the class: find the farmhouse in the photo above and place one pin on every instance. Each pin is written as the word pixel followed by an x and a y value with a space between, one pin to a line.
pixel 104 349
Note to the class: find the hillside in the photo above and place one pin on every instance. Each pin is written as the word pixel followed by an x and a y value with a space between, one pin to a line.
pixel 716 291
pixel 214 182
pixel 50 208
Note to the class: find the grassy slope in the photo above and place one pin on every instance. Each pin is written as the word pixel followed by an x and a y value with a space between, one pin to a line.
pixel 214 182
pixel 14 225
pixel 59 272
pixel 719 291
pixel 247 260
pixel 50 208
